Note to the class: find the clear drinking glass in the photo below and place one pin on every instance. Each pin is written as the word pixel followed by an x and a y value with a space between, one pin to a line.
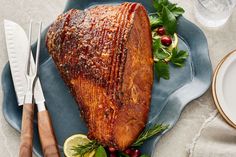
pixel 213 13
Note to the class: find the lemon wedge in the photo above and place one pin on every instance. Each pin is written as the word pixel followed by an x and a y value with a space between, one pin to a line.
pixel 174 42
pixel 75 140
pixel 172 46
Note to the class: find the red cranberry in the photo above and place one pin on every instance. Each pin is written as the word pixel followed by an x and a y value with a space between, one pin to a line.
pixel 161 31
pixel 111 149
pixel 166 40
pixel 136 153
pixel 128 151
pixel 113 155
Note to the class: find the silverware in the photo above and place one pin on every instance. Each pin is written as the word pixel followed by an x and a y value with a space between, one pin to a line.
pixel 20 58
pixel 46 133
pixel 31 67
pixel 28 108
pixel 17 48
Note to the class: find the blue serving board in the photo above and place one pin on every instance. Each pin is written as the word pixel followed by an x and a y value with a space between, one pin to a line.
pixel 169 97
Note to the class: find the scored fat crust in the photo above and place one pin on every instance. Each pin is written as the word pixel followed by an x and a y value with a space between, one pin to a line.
pixel 104 56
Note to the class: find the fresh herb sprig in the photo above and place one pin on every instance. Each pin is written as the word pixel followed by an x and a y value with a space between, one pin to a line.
pixel 168 13
pixel 100 151
pixel 178 57
pixel 166 16
pixel 148 133
pixel 84 149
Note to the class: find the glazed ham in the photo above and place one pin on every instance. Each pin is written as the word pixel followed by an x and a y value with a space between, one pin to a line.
pixel 104 55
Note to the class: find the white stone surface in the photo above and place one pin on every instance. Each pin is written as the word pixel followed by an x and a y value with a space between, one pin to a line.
pixel 174 144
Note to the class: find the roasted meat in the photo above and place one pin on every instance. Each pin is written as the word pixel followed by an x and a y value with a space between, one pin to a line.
pixel 104 55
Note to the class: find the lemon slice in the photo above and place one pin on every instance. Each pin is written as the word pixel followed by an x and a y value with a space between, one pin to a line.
pixel 75 140
pixel 174 42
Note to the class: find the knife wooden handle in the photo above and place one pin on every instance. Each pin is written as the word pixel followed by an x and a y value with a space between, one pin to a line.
pixel 27 131
pixel 47 136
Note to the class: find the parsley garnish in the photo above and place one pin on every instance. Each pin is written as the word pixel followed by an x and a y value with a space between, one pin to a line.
pixel 169 20
pixel 166 16
pixel 159 4
pixel 162 70
pixel 154 21
pixel 178 57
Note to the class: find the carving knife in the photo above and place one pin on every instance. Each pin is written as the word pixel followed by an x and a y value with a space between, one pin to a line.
pixel 17 48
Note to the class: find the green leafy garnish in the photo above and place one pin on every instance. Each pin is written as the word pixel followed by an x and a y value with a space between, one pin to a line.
pixel 158 51
pixel 148 133
pixel 144 155
pixel 166 16
pixel 177 11
pixel 162 70
pixel 159 4
pixel 154 21
pixel 169 20
pixel 83 149
pixel 178 57
pixel 100 152
pixel 156 44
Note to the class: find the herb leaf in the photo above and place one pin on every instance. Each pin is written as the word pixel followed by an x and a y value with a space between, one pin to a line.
pixel 179 57
pixel 158 4
pixel 83 149
pixel 169 20
pixel 100 152
pixel 162 70
pixel 148 133
pixel 155 21
pixel 158 51
pixel 156 44
pixel 177 11
pixel 161 54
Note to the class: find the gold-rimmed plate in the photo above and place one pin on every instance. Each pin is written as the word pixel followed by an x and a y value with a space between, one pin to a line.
pixel 224 88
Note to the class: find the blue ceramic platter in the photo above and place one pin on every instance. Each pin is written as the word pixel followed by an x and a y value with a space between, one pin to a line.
pixel 169 97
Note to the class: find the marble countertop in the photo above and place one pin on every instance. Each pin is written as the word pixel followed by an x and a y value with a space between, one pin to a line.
pixel 221 41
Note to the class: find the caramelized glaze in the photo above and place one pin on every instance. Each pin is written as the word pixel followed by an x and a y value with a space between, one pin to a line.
pixel 100 53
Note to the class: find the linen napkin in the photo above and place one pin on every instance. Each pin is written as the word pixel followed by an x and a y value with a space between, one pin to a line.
pixel 215 139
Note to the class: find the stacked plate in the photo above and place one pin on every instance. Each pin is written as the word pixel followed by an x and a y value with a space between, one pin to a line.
pixel 224 88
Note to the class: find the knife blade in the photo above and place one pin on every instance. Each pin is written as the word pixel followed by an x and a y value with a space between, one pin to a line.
pixel 17 57
pixel 17 47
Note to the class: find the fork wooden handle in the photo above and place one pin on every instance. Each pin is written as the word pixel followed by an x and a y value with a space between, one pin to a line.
pixel 27 131
pixel 47 136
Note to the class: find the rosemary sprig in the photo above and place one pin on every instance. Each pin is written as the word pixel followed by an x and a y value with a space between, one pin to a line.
pixel 148 133
pixel 83 149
